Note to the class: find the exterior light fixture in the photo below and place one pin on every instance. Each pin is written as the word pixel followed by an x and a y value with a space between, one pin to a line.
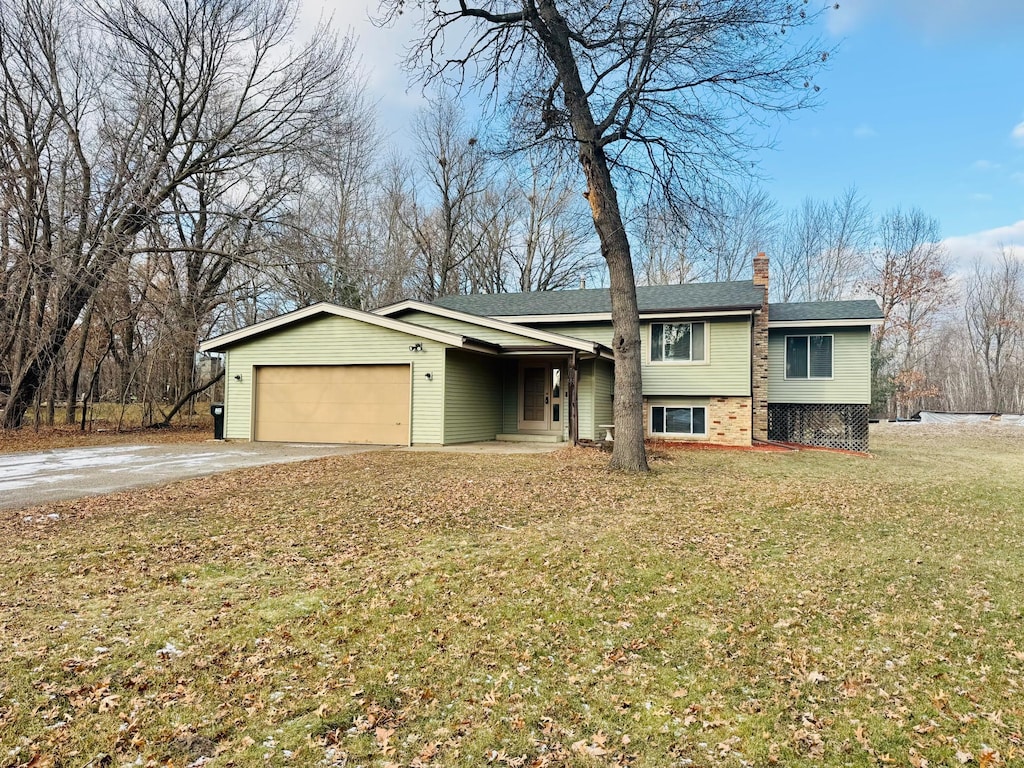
pixel 417 347
pixel 238 377
pixel 430 376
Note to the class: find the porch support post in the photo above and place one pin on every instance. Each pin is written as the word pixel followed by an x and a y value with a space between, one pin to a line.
pixel 574 424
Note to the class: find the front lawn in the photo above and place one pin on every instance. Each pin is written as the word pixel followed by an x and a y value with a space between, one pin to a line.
pixel 429 609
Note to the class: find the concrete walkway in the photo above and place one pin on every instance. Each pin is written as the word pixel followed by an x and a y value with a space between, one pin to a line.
pixel 28 479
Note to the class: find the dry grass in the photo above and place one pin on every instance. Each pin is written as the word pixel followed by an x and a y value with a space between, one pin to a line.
pixel 421 609
pixel 101 433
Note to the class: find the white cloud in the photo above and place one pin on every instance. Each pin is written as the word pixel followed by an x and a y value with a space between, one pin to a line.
pixel 1018 132
pixel 964 249
pixel 941 18
pixel 982 197
pixel 985 165
pixel 864 131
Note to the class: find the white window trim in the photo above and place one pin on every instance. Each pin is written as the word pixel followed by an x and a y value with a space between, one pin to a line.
pixel 650 420
pixel 707 343
pixel 808 377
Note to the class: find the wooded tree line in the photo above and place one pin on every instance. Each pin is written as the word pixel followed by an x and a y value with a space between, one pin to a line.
pixel 171 170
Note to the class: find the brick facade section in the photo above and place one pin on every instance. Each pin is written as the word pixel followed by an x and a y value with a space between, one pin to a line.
pixel 759 363
pixel 728 422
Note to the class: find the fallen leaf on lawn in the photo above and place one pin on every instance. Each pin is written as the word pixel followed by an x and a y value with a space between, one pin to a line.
pixel 108 703
pixel 988 758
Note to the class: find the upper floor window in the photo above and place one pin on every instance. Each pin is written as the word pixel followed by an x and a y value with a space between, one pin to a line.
pixel 808 357
pixel 677 342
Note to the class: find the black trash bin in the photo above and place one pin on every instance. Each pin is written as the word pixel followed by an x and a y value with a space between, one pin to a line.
pixel 217 411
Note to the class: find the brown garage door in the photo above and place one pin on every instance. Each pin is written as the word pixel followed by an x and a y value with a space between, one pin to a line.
pixel 333 404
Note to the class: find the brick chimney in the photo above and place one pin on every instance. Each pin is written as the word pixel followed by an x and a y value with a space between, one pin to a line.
pixel 759 364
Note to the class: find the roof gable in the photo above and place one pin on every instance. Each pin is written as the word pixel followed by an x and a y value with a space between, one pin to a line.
pixel 526 332
pixel 219 343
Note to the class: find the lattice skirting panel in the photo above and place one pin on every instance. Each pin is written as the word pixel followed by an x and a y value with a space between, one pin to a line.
pixel 828 426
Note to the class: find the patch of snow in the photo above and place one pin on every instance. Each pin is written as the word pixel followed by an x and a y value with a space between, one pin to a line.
pixel 169 650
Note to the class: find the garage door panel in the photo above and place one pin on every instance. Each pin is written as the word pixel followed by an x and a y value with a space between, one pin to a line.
pixel 333 404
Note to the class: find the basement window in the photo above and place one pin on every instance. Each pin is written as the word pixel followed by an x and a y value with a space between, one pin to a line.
pixel 683 420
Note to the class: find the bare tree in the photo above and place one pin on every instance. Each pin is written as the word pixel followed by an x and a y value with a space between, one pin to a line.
pixel 326 243
pixel 909 278
pixel 995 319
pixel 443 217
pixel 801 239
pixel 557 248
pixel 212 223
pixel 821 248
pixel 663 247
pixel 106 113
pixel 652 91
pixel 735 225
pixel 388 277
pixel 495 215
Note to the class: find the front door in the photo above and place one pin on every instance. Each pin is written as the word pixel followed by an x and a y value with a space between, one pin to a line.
pixel 540 396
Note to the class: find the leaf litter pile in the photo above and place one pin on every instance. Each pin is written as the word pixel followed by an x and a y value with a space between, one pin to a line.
pixel 436 609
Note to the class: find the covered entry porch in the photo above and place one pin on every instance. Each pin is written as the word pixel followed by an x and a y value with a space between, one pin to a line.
pixel 554 395
pixel 537 404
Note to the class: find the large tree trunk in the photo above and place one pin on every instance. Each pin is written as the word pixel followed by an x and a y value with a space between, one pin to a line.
pixel 23 392
pixel 629 452
pixel 76 372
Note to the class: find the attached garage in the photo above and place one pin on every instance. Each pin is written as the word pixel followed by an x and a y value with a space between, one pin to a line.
pixel 329 374
pixel 333 404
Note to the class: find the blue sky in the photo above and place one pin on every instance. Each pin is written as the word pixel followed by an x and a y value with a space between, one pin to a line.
pixel 923 105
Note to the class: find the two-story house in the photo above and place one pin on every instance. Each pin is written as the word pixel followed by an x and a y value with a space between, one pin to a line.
pixel 719 363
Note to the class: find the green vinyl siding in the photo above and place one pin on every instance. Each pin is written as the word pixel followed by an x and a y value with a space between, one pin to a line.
pixel 851 368
pixel 472 397
pixel 599 332
pixel 604 407
pixel 472 330
pixel 510 397
pixel 332 340
pixel 585 399
pixel 725 371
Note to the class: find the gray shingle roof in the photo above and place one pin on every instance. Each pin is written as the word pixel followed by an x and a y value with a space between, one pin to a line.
pixel 860 309
pixel 690 297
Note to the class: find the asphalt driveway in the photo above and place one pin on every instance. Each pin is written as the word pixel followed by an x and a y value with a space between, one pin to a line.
pixel 27 479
